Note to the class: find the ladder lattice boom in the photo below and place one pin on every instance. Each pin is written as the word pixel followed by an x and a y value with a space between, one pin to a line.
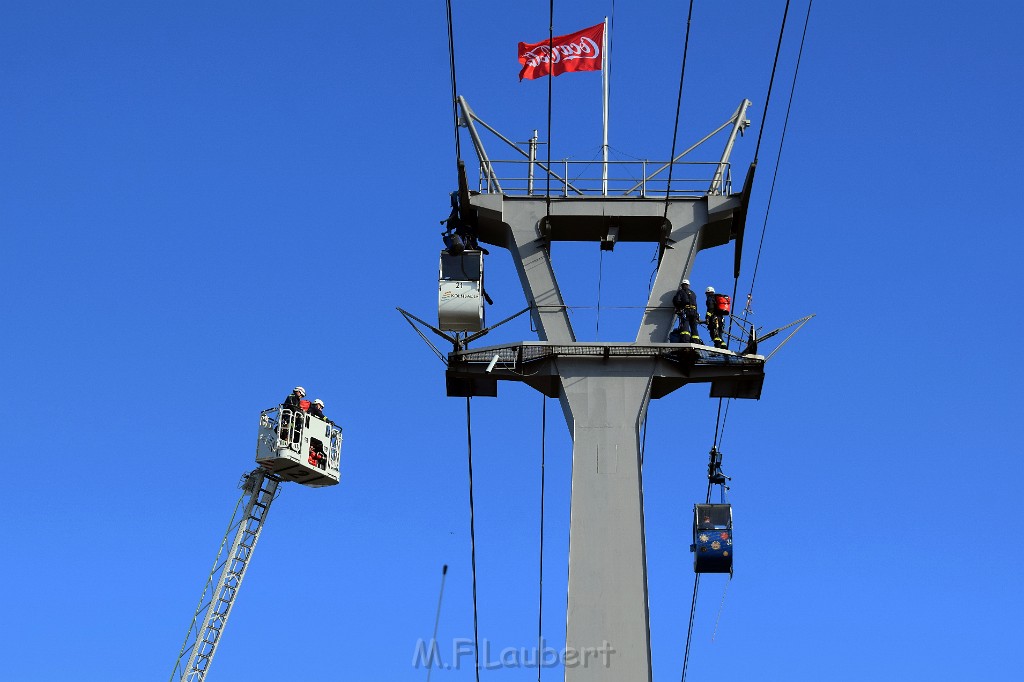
pixel 259 489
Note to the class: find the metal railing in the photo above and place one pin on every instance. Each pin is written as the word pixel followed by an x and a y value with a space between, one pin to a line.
pixel 639 178
pixel 289 425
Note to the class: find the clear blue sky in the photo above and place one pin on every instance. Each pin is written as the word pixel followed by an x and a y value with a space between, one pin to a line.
pixel 203 204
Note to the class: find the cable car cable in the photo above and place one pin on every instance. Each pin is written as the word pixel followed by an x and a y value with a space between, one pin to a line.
pixel 451 68
pixel 782 140
pixel 693 607
pixel 764 117
pixel 720 420
pixel 771 80
pixel 472 540
pixel 778 158
pixel 725 418
pixel 689 630
pixel 679 101
pixel 600 274
pixel 540 572
pixel 551 44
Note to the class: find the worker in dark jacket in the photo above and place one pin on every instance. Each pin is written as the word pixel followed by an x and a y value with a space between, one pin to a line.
pixel 317 409
pixel 291 428
pixel 685 303
pixel 295 399
pixel 715 316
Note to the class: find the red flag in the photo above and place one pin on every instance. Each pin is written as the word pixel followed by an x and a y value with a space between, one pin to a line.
pixel 580 51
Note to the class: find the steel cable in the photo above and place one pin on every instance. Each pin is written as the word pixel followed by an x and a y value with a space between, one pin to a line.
pixel 782 140
pixel 679 100
pixel 472 541
pixel 451 68
pixel 551 44
pixel 540 572
pixel 771 80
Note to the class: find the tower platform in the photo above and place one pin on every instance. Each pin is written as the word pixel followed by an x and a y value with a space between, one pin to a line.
pixel 475 372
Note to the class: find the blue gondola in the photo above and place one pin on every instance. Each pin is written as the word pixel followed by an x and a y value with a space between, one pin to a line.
pixel 712 538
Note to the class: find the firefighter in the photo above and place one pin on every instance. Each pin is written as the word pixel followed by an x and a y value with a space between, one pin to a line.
pixel 718 308
pixel 317 409
pixel 685 302
pixel 295 403
pixel 293 399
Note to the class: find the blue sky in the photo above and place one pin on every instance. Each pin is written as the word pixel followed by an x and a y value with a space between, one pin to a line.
pixel 205 204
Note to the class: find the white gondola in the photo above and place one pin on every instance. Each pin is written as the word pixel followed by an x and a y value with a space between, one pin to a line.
pixel 460 289
pixel 299 447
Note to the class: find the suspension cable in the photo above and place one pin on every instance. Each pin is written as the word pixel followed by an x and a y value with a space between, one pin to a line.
pixel 775 173
pixel 540 571
pixel 472 541
pixel 693 606
pixel 718 419
pixel 689 630
pixel 725 418
pixel 679 100
pixel 782 140
pixel 551 49
pixel 451 68
pixel 600 276
pixel 771 80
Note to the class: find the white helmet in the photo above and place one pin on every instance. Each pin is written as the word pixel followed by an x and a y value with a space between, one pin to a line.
pixel 686 282
pixel 300 390
pixel 709 290
pixel 319 402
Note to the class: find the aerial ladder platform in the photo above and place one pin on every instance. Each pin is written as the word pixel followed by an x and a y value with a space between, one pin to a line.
pixel 291 446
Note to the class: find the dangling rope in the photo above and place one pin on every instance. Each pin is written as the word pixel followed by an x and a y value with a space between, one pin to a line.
pixel 721 606
pixel 540 571
pixel 472 541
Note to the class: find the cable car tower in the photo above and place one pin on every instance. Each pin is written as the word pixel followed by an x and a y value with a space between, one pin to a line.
pixel 291 446
pixel 604 387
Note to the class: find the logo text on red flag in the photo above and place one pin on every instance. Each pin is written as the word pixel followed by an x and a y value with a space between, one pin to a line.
pixel 580 51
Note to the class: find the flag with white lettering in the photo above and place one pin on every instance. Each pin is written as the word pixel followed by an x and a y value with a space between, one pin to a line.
pixel 580 51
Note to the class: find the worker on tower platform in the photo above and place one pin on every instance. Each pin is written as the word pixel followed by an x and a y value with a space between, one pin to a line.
pixel 718 308
pixel 317 409
pixel 685 303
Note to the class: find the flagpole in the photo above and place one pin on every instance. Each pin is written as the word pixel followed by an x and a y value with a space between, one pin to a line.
pixel 604 122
